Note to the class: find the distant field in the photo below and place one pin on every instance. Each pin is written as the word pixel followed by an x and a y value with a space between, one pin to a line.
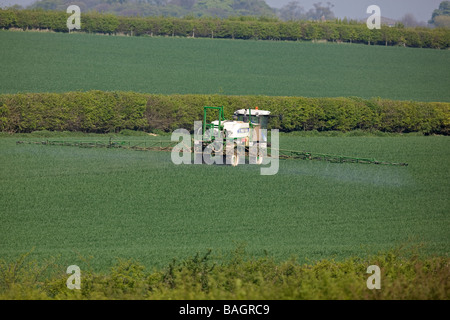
pixel 50 62
pixel 76 203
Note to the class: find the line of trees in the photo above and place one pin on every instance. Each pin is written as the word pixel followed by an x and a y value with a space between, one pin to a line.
pixel 195 8
pixel 168 8
pixel 233 28
pixel 99 111
pixel 441 16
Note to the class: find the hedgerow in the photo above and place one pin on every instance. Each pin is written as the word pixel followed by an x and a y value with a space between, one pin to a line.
pixel 232 28
pixel 102 112
pixel 404 274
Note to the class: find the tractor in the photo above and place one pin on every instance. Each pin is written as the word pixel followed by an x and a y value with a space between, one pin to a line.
pixel 231 141
pixel 226 141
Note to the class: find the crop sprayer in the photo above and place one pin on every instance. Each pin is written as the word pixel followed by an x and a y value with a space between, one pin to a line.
pixel 223 141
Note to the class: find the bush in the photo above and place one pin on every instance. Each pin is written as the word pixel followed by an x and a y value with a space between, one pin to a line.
pixel 234 28
pixel 103 112
pixel 405 274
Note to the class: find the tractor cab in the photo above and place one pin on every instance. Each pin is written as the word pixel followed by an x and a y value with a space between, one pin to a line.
pixel 253 116
pixel 256 120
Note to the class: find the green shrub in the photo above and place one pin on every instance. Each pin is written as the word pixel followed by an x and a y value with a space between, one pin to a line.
pixel 405 274
pixel 103 112
pixel 234 28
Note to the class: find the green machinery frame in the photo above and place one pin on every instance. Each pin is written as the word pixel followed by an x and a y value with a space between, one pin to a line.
pixel 212 126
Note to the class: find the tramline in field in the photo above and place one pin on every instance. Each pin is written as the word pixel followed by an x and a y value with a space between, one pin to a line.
pixel 244 137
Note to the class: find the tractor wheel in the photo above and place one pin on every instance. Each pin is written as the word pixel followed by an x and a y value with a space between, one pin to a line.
pixel 217 146
pixel 256 156
pixel 234 159
pixel 259 159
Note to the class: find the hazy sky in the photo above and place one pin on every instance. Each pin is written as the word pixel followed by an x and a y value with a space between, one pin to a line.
pixel 395 9
pixel 354 9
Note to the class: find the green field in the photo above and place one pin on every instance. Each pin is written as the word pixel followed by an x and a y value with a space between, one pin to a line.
pixel 51 62
pixel 93 206
pixel 75 202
